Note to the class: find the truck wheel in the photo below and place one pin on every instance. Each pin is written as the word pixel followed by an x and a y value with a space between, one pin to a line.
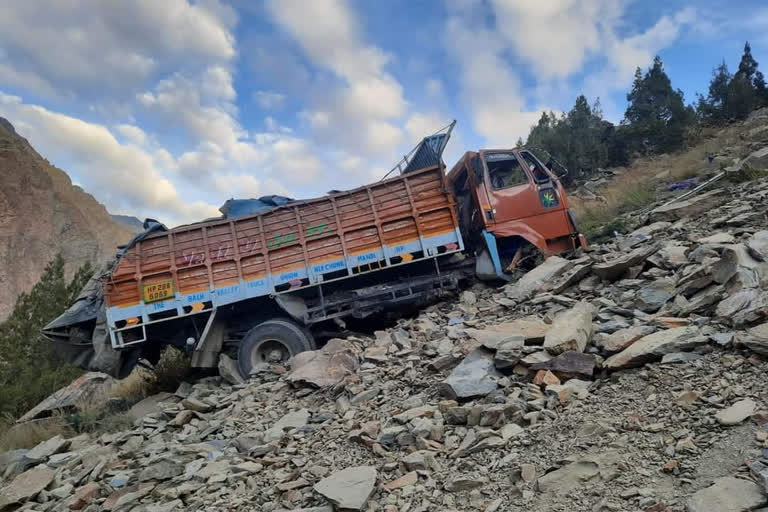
pixel 273 341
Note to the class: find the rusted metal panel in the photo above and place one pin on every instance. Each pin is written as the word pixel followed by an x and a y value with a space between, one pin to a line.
pixel 292 246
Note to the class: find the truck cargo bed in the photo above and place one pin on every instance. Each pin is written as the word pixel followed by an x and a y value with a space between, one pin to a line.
pixel 195 268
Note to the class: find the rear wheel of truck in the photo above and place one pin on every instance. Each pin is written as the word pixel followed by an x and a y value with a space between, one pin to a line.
pixel 273 341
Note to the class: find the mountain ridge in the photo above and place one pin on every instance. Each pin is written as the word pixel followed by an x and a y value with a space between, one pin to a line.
pixel 42 213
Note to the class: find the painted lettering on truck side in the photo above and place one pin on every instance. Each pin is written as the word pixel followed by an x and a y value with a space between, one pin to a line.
pixel 227 290
pixel 362 258
pixel 328 267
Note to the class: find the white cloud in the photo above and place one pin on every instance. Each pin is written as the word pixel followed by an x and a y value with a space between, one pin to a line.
pixel 361 111
pixel 489 85
pixel 555 37
pixel 434 88
pixel 124 177
pixel 623 56
pixel 295 160
pixel 269 100
pixel 555 41
pixel 98 48
pixel 203 108
pixel 243 186
pixel 420 125
pixel 132 134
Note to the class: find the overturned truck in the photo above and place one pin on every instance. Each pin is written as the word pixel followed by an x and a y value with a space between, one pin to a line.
pixel 262 283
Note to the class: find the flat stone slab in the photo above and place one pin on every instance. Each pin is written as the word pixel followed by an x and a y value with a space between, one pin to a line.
pixel 654 346
pixel 736 413
pixel 615 268
pixel 571 330
pixel 619 340
pixel 349 489
pixel 533 281
pixel 25 486
pixel 727 495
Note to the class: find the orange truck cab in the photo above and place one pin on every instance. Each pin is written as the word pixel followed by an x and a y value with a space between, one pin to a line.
pixel 510 203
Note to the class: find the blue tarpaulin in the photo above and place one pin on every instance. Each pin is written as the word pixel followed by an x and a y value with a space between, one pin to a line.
pixel 241 207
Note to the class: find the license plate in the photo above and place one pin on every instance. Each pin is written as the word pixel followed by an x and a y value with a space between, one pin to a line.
pixel 153 292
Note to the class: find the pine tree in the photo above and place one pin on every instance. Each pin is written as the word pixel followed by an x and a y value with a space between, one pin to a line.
pixel 656 114
pixel 760 88
pixel 713 108
pixel 748 64
pixel 580 139
pixel 746 91
pixel 30 368
pixel 741 97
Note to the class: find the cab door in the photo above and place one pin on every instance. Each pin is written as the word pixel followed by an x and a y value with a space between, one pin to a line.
pixel 508 188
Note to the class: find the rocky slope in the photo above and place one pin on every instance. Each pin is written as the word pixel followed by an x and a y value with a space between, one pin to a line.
pixel 630 379
pixel 42 213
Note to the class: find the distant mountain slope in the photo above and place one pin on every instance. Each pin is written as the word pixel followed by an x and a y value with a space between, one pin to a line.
pixel 128 222
pixel 42 213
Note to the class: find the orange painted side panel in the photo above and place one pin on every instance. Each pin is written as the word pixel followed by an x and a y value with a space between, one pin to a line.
pixel 213 254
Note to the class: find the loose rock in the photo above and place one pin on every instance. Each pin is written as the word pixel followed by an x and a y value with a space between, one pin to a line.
pixel 350 488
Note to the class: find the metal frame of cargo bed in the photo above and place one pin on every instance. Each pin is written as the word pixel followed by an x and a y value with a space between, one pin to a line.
pixel 427 245
pixel 371 297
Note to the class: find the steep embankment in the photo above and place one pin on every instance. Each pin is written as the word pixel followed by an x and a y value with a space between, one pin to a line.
pixel 601 201
pixel 629 379
pixel 42 213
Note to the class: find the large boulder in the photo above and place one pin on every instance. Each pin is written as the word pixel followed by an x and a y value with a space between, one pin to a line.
pixel 325 367
pixel 509 353
pixel 533 281
pixel 475 376
pixel 654 346
pixel 614 268
pixel 649 230
pixel 571 330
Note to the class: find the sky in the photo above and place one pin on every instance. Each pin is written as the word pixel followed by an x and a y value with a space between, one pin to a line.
pixel 166 109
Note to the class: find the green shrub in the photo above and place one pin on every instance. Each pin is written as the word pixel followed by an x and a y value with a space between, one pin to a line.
pixel 172 368
pixel 30 368
pixel 14 437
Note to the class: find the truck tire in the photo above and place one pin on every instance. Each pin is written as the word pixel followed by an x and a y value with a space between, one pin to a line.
pixel 272 341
